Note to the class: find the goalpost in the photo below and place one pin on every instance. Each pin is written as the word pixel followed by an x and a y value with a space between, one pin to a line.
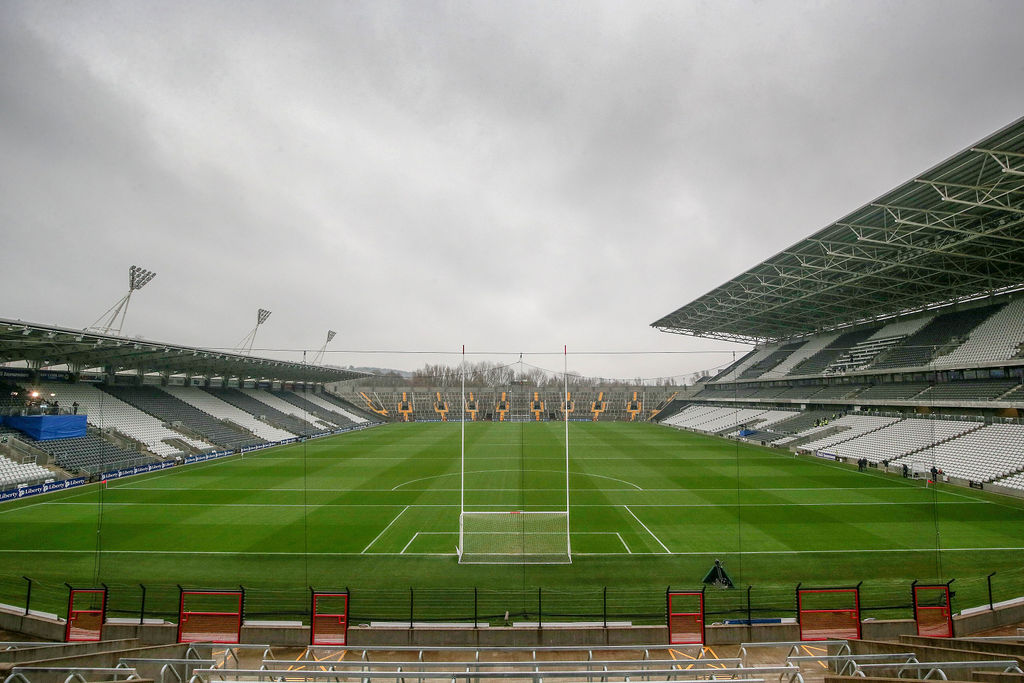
pixel 513 536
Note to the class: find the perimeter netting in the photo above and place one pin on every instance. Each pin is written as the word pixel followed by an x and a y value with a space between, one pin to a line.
pixel 514 538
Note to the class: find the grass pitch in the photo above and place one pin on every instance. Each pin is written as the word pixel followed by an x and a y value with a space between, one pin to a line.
pixel 377 511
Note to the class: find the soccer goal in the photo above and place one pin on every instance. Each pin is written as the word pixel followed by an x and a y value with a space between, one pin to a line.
pixel 514 536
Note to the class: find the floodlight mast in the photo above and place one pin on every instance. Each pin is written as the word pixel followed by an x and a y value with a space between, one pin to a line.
pixel 319 357
pixel 245 346
pixel 137 279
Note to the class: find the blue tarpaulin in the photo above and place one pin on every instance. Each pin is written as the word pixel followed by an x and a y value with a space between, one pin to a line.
pixel 47 427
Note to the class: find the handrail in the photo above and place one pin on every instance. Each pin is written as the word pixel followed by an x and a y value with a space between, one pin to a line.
pixel 271 664
pixel 615 675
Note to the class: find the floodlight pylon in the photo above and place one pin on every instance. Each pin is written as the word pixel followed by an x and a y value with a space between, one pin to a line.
pixel 319 357
pixel 137 279
pixel 245 346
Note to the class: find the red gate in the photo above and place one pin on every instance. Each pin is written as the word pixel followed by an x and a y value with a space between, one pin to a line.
pixel 828 613
pixel 685 617
pixel 210 616
pixel 932 611
pixel 329 618
pixel 87 609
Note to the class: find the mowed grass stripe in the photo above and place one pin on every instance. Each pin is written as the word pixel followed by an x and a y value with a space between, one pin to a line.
pixel 698 495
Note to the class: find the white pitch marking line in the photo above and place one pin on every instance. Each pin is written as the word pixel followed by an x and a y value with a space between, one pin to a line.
pixel 624 543
pixel 504 507
pixel 47 502
pixel 385 529
pixel 647 530
pixel 452 474
pixel 409 543
pixel 5 551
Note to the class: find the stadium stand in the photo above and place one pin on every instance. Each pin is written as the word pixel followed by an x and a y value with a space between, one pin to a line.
pixel 163 405
pixel 935 338
pixel 809 348
pixel 247 400
pixel 863 352
pixel 979 390
pixel 334 405
pixel 901 390
pixel 901 438
pixel 732 367
pixel 303 402
pixel 227 412
pixel 89 453
pixel 853 426
pixel 108 412
pixel 10 398
pixel 816 364
pixel 799 422
pixel 836 392
pixel 1014 395
pixel 1014 481
pixel 771 361
pixel 983 455
pixel 13 473
pixel 751 359
pixel 997 339
pixel 712 419
pixel 355 411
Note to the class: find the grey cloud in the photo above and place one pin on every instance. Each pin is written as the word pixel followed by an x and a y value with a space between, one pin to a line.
pixel 421 175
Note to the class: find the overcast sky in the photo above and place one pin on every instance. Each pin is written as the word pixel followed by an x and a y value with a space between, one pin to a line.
pixel 512 176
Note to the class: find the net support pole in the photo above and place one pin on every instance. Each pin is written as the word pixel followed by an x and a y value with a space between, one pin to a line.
pixel 565 416
pixel 462 455
pixel 462 440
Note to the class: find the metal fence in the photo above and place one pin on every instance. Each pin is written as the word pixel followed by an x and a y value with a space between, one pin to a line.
pixel 420 606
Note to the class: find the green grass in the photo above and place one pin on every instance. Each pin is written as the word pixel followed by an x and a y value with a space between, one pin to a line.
pixel 377 511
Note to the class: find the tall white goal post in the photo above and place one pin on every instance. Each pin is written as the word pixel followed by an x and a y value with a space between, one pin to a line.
pixel 514 536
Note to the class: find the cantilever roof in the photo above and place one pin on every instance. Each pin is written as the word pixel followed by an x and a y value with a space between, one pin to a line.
pixel 953 233
pixel 47 346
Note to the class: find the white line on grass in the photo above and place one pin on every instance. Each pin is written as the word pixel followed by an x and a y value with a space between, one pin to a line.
pixel 409 543
pixel 355 554
pixel 969 501
pixel 452 474
pixel 647 490
pixel 386 528
pixel 647 530
pixel 48 502
pixel 127 483
pixel 624 543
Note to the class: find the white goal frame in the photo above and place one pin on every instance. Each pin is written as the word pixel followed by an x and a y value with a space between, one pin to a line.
pixel 530 546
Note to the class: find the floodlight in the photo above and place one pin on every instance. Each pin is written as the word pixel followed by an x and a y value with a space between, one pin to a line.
pixel 245 346
pixel 318 358
pixel 138 278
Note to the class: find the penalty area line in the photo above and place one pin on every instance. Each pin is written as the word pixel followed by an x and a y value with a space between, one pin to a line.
pixel 385 528
pixel 409 543
pixel 647 530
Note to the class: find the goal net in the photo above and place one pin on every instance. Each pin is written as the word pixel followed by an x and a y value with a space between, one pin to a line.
pixel 514 537
pixel 514 505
